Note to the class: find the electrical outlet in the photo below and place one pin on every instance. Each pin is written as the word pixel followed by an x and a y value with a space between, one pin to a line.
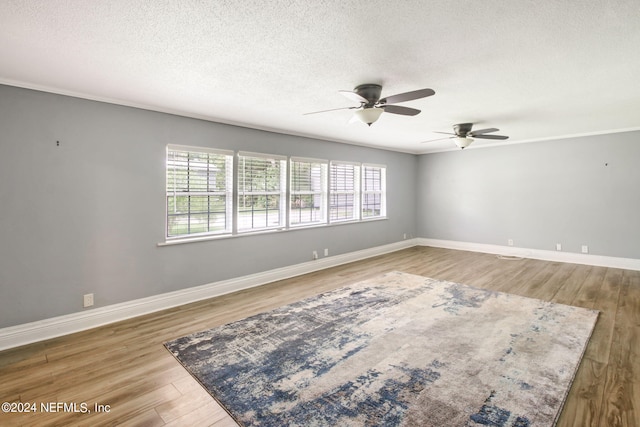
pixel 326 251
pixel 558 246
pixel 585 249
pixel 88 300
pixel 315 254
pixel 510 242
pixel 404 236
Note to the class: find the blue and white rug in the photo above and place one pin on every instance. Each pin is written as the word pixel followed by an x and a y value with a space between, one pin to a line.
pixel 396 350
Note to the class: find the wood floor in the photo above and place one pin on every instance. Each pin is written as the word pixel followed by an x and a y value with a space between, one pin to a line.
pixel 126 367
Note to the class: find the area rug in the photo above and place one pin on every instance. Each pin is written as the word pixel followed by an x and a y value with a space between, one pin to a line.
pixel 395 350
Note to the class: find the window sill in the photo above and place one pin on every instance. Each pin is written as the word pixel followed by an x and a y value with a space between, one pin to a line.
pixel 207 238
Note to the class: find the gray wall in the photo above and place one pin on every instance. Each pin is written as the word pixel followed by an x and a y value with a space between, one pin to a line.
pixel 86 216
pixel 579 191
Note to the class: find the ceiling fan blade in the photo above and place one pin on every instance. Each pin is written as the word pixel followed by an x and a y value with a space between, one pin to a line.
pixel 490 136
pixel 437 139
pixel 332 109
pixel 353 96
pixel 407 96
pixel 481 131
pixel 397 109
pixel 446 133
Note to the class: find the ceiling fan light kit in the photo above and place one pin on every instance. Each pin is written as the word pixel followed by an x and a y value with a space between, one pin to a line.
pixel 462 143
pixel 369 115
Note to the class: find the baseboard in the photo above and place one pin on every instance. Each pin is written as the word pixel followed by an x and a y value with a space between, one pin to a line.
pixel 568 257
pixel 28 333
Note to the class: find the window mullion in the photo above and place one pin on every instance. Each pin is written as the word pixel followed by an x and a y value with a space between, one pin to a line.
pixel 235 193
pixel 287 194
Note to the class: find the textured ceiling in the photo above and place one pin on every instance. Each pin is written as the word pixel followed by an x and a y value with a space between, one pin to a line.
pixel 535 69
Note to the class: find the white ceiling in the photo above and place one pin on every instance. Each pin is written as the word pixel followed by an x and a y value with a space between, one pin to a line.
pixel 534 69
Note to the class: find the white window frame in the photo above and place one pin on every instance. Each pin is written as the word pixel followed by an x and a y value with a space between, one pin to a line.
pixel 381 192
pixel 336 192
pixel 329 195
pixel 319 194
pixel 243 191
pixel 173 192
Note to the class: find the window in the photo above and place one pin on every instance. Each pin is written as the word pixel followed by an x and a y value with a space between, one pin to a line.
pixel 344 192
pixel 374 184
pixel 261 191
pixel 211 192
pixel 308 192
pixel 199 191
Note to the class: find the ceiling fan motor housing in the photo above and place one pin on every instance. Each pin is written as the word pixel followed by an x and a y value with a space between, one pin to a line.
pixel 462 129
pixel 369 91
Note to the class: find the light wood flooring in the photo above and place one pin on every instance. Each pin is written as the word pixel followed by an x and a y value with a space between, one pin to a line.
pixel 125 365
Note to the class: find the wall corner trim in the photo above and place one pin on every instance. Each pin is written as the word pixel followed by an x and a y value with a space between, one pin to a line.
pixel 18 335
pixel 545 255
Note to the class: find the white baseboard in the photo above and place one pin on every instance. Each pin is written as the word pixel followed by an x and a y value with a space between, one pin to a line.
pixel 28 333
pixel 568 257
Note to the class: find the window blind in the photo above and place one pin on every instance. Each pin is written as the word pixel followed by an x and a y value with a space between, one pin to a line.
pixel 308 192
pixel 344 191
pixel 374 203
pixel 261 192
pixel 199 191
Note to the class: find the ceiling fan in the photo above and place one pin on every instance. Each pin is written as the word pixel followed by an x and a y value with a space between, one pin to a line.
pixel 371 106
pixel 463 135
